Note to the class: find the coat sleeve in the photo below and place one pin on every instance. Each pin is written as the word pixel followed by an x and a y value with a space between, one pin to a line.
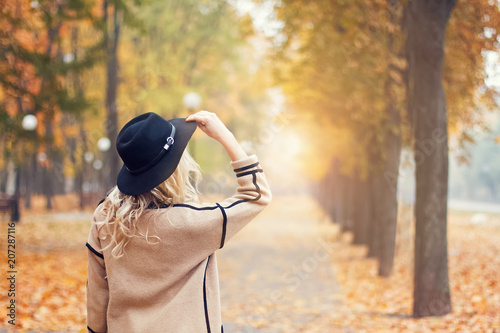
pixel 210 226
pixel 97 284
pixel 252 196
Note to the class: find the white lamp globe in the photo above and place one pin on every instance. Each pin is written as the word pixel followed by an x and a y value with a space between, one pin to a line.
pixel 88 156
pixel 192 100
pixel 42 157
pixel 29 122
pixel 68 57
pixel 104 144
pixel 97 164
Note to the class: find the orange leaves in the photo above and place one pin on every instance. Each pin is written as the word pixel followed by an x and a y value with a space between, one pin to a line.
pixel 51 264
pixel 51 291
pixel 260 271
pixel 474 270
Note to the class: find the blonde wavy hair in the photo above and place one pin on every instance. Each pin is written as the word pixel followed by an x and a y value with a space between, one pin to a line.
pixel 123 211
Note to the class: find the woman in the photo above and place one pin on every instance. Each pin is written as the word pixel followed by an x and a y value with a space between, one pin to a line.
pixel 151 259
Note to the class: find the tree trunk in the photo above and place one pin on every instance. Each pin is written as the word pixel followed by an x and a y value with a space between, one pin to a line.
pixel 48 170
pixel 385 204
pixel 336 191
pixel 328 195
pixel 362 212
pixel 375 225
pixel 426 32
pixel 384 190
pixel 16 215
pixel 346 197
pixel 111 93
pixel 47 187
pixel 30 180
pixel 27 185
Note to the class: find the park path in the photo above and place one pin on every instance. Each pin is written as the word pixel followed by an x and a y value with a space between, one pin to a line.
pixel 276 275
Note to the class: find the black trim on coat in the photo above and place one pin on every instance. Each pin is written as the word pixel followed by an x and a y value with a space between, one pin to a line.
pixel 252 172
pixel 249 172
pixel 91 330
pixel 100 202
pixel 236 203
pixel 195 208
pixel 94 251
pixel 207 321
pixel 246 167
pixel 257 188
pixel 152 205
pixel 224 224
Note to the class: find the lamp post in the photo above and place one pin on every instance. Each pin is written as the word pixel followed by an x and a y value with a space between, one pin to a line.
pixel 103 145
pixel 86 176
pixel 29 124
pixel 192 102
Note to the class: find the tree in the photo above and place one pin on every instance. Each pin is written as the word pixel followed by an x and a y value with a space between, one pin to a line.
pixel 384 182
pixel 111 47
pixel 346 68
pixel 343 63
pixel 427 106
pixel 121 11
pixel 192 46
pixel 35 68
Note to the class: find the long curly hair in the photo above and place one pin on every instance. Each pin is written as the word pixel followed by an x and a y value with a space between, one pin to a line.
pixel 122 211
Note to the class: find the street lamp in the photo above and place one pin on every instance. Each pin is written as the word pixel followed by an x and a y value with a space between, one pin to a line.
pixel 29 122
pixel 42 157
pixel 97 164
pixel 88 156
pixel 192 101
pixel 68 57
pixel 104 144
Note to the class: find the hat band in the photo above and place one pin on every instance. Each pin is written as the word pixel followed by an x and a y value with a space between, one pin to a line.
pixel 166 147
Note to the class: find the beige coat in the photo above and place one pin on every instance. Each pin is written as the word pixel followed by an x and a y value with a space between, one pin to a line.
pixel 172 286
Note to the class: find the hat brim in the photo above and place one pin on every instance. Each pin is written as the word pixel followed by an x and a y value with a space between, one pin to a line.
pixel 135 184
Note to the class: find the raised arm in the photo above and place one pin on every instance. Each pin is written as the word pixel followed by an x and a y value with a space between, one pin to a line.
pixel 212 225
pixel 209 123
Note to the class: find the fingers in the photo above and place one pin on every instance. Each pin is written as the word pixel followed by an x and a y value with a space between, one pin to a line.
pixel 201 117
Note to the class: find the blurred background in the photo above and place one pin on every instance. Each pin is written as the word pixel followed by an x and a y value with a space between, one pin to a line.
pixel 376 123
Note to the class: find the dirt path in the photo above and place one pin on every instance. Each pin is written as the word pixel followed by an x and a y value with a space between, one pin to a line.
pixel 276 275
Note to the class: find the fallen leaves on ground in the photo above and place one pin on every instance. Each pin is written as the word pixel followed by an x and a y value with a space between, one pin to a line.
pixel 385 304
pixel 52 260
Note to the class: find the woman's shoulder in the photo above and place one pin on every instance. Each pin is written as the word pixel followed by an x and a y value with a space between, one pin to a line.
pixel 98 211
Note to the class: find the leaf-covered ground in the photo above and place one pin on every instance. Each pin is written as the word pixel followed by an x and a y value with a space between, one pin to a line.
pixel 385 305
pixel 288 271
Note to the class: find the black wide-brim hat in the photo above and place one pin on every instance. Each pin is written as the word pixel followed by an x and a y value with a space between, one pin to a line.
pixel 150 148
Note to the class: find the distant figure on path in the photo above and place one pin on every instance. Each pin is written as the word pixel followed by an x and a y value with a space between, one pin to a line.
pixel 151 261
